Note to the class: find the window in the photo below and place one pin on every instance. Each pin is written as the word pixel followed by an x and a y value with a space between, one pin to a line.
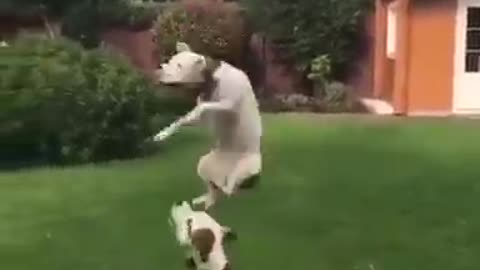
pixel 391 29
pixel 472 56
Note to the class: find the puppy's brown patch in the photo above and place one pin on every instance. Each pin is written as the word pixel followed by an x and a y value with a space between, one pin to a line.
pixel 202 240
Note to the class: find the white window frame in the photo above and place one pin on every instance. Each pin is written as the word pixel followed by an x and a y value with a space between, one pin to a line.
pixel 392 10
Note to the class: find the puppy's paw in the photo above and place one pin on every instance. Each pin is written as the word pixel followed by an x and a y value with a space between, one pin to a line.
pixel 203 202
pixel 229 234
pixel 199 200
pixel 190 263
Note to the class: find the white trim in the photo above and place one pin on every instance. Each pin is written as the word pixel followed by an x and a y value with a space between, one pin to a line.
pixel 377 106
pixel 392 29
pixel 459 55
pixel 430 113
pixel 458 52
pixel 475 111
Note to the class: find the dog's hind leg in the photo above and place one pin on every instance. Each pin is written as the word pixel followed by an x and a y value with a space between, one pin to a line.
pixel 245 174
pixel 205 167
pixel 208 199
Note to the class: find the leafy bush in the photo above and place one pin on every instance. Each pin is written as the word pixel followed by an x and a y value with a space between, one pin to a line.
pixel 305 29
pixel 320 72
pixel 69 105
pixel 295 102
pixel 171 27
pixel 335 98
pixel 211 28
pixel 85 20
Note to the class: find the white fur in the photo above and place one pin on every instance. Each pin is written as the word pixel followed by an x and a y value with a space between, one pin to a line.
pixel 199 220
pixel 232 115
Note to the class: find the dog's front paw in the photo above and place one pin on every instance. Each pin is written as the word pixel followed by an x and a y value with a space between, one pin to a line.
pixel 162 135
pixel 229 190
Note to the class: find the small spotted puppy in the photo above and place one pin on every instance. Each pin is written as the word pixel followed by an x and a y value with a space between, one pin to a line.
pixel 202 236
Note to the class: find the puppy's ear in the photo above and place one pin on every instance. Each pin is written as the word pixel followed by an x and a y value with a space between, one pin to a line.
pixel 229 235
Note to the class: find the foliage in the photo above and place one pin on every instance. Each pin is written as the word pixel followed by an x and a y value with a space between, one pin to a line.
pixel 49 7
pixel 295 102
pixel 335 97
pixel 81 23
pixel 210 28
pixel 70 105
pixel 305 29
pixel 85 20
pixel 171 26
pixel 320 71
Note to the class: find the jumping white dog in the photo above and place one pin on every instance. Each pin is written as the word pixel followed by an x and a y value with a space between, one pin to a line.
pixel 227 104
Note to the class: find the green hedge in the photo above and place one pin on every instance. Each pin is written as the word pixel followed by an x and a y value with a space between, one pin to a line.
pixel 64 104
pixel 216 29
pixel 306 29
pixel 85 20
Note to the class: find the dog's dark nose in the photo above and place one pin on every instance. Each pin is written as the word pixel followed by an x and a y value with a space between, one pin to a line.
pixel 178 203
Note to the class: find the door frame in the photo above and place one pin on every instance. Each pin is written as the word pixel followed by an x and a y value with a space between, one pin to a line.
pixel 459 55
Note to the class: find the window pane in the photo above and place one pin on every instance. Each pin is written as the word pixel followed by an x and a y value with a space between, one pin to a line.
pixel 472 62
pixel 473 17
pixel 473 40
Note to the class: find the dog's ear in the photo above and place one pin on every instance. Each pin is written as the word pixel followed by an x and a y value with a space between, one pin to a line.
pixel 229 235
pixel 202 240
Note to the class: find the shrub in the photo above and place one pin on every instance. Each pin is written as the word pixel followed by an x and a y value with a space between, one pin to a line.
pixel 335 97
pixel 211 28
pixel 305 29
pixel 295 102
pixel 171 26
pixel 320 72
pixel 85 20
pixel 68 105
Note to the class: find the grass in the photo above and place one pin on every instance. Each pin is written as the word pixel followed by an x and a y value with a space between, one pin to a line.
pixel 337 193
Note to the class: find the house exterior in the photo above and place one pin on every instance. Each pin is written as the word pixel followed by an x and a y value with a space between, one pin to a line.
pixel 427 56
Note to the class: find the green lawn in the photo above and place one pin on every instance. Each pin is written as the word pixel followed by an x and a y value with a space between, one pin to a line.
pixel 338 193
